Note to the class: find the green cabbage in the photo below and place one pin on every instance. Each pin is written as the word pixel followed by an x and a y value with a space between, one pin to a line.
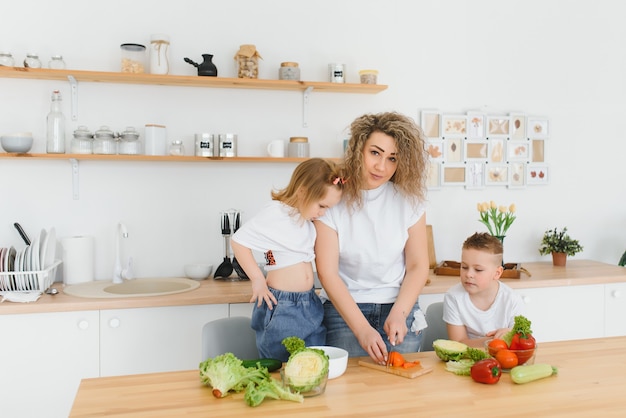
pixel 448 350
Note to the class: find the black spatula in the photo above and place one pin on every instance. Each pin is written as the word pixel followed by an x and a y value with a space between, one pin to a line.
pixel 240 272
pixel 226 268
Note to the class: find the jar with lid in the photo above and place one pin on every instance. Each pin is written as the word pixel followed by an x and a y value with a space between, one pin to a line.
pixel 247 62
pixel 129 142
pixel 204 145
pixel 177 147
pixel 133 58
pixel 32 61
pixel 6 59
pixel 159 54
pixel 298 147
pixel 289 71
pixel 82 143
pixel 104 141
pixel 56 63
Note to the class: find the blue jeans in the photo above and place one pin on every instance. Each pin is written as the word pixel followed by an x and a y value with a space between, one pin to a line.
pixel 297 314
pixel 340 335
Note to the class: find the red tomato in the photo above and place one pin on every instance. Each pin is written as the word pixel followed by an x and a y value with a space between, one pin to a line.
pixel 496 345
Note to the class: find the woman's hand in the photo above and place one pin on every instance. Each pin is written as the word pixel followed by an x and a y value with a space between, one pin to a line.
pixel 373 344
pixel 395 327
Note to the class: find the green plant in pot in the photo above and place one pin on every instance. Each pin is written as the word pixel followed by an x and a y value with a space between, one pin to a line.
pixel 560 245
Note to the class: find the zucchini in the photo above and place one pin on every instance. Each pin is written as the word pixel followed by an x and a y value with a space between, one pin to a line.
pixel 532 372
pixel 271 364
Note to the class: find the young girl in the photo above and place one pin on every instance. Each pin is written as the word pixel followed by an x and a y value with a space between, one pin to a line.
pixel 287 304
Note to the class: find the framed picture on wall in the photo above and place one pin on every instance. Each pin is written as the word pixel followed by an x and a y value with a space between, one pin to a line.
pixel 435 149
pixel 453 150
pixel 537 174
pixel 537 152
pixel 476 150
pixel 496 175
pixel 517 127
pixel 453 175
pixel 538 128
pixel 518 151
pixel 496 151
pixel 498 126
pixel 431 123
pixel 475 125
pixel 474 175
pixel 517 175
pixel 454 125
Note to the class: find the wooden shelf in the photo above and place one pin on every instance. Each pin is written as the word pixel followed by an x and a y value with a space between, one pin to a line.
pixel 186 81
pixel 163 158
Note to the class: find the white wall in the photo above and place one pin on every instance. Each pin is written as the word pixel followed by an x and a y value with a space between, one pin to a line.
pixel 560 59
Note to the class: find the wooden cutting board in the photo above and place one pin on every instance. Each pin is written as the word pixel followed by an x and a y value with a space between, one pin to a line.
pixel 409 373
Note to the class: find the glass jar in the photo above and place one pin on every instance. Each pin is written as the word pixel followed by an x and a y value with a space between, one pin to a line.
pixel 247 62
pixel 133 58
pixel 56 63
pixel 82 143
pixel 129 142
pixel 177 148
pixel 298 147
pixel 32 61
pixel 289 71
pixel 6 59
pixel 159 54
pixel 104 141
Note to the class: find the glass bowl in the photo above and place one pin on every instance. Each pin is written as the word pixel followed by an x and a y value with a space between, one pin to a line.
pixel 314 391
pixel 523 356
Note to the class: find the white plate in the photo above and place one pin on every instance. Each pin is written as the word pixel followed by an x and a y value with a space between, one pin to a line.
pixel 48 249
pixel 42 240
pixel 34 253
pixel 29 277
pixel 9 265
pixel 17 267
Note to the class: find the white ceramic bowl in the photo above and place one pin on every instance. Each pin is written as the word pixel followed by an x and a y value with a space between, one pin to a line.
pixel 198 271
pixel 337 359
pixel 20 142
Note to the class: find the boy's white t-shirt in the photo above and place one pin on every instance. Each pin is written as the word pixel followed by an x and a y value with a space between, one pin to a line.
pixel 458 309
pixel 371 243
pixel 282 236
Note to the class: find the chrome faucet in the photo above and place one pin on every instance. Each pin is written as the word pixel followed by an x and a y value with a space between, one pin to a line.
pixel 121 273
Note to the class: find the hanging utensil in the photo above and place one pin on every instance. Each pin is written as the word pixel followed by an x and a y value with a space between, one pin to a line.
pixel 240 272
pixel 225 269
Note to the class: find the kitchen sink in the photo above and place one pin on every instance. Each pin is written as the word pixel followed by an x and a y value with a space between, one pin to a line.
pixel 132 288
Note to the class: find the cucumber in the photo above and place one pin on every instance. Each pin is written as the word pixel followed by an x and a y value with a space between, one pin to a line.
pixel 271 364
pixel 532 372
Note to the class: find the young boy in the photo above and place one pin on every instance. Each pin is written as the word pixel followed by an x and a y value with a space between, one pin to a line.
pixel 480 307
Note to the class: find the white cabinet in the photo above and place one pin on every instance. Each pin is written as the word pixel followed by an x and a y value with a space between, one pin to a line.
pixel 241 309
pixel 615 309
pixel 565 312
pixel 147 340
pixel 44 357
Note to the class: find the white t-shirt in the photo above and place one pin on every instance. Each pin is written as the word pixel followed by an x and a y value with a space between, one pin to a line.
pixel 458 309
pixel 371 243
pixel 283 238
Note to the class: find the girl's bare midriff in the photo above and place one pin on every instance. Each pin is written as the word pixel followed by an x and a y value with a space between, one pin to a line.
pixel 296 278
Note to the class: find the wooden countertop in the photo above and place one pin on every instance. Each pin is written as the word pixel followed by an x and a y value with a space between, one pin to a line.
pixel 543 274
pixel 590 382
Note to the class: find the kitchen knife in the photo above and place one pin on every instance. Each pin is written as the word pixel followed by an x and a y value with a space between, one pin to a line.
pixel 22 232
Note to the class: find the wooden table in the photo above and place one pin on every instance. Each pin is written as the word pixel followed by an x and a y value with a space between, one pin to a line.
pixel 591 382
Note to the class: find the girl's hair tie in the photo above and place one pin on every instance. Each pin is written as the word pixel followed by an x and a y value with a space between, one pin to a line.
pixel 339 180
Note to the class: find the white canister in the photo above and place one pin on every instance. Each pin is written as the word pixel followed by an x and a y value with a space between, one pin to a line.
pixel 227 145
pixel 155 140
pixel 276 148
pixel 337 73
pixel 204 145
pixel 159 54
pixel 298 147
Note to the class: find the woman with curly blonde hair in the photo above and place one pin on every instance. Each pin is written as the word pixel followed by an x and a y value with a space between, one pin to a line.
pixel 371 248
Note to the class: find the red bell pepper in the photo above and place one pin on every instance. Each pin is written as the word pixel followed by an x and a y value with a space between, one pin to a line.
pixel 522 341
pixel 486 371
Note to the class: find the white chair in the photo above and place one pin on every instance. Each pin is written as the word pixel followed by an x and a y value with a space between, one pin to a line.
pixel 437 328
pixel 229 335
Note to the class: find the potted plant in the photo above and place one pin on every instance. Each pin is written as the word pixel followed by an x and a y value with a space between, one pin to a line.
pixel 560 245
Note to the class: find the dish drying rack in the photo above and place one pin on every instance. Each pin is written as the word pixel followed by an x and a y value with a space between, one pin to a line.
pixel 28 281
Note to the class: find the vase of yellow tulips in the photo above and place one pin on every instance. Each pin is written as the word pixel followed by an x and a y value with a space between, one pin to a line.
pixel 497 219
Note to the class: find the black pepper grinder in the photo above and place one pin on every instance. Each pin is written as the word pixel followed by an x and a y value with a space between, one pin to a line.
pixel 240 273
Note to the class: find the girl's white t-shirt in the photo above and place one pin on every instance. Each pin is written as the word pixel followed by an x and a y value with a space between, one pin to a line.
pixel 372 241
pixel 458 309
pixel 283 237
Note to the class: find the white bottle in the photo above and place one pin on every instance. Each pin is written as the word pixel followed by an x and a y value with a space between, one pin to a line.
pixel 55 133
